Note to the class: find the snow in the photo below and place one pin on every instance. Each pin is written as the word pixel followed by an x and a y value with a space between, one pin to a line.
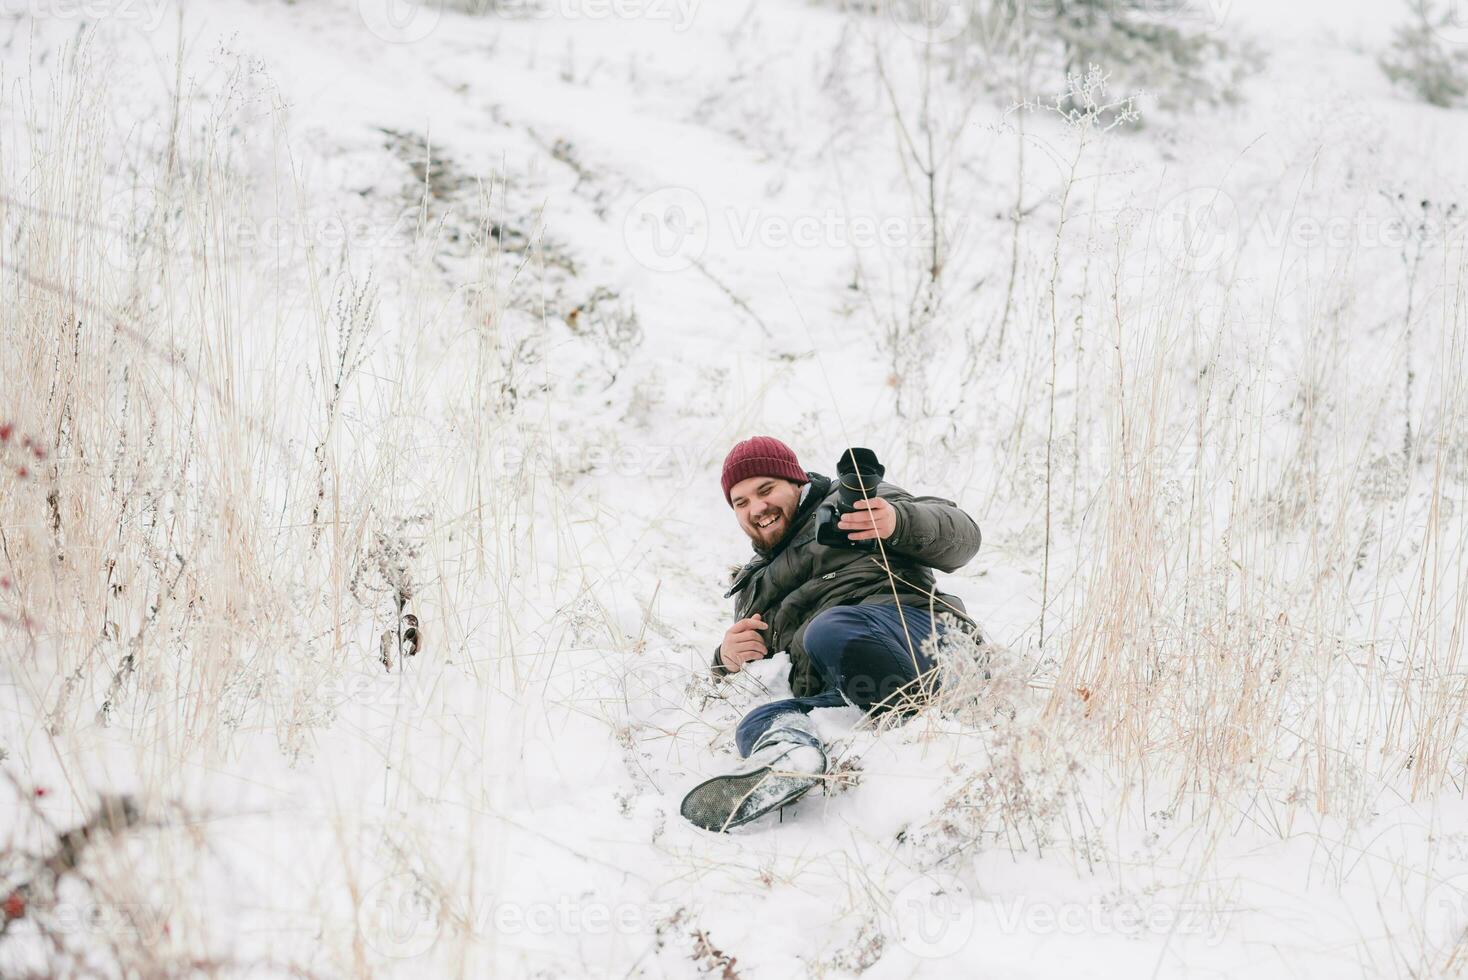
pixel 506 804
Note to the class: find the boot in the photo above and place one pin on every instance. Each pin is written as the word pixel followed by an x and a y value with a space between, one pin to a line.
pixel 786 761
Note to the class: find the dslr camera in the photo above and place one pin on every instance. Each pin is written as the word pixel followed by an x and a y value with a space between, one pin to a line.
pixel 857 476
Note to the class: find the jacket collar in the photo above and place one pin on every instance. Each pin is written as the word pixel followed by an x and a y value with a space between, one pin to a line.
pixel 818 486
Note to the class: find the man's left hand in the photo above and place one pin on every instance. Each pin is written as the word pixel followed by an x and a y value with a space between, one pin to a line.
pixel 872 518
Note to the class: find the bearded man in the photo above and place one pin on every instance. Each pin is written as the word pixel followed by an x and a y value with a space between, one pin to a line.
pixel 852 617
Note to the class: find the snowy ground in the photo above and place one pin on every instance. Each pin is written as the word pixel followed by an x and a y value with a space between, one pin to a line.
pixel 603 244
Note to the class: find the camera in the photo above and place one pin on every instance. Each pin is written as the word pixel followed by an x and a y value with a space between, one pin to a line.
pixel 857 476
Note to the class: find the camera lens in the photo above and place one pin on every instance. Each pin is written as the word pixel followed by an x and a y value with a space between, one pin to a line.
pixel 859 474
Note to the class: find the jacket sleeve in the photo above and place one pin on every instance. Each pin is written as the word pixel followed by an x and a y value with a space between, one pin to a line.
pixel 717 663
pixel 931 530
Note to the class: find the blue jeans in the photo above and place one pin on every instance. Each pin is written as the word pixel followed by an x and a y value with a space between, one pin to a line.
pixel 862 655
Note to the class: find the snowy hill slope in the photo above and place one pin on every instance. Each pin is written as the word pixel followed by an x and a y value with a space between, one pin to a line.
pixel 312 311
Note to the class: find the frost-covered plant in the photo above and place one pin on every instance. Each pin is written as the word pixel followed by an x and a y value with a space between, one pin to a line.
pixel 1421 59
pixel 1088 107
pixel 386 566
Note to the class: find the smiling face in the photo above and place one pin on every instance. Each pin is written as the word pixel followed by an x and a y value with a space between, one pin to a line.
pixel 765 506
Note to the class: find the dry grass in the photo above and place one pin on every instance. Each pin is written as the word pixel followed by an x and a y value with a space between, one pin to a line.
pixel 219 486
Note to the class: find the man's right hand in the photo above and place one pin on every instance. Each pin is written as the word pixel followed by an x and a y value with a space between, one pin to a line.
pixel 743 643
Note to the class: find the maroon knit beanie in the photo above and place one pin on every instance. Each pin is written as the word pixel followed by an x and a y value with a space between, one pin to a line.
pixel 760 456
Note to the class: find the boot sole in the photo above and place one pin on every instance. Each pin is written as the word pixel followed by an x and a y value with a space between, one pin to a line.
pixel 720 804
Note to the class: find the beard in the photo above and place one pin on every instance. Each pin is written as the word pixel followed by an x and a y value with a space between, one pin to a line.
pixel 767 538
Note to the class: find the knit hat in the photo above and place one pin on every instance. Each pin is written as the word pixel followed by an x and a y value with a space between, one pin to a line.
pixel 760 456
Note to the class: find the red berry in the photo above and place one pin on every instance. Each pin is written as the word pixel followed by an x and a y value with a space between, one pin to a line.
pixel 4 581
pixel 41 791
pixel 5 429
pixel 14 906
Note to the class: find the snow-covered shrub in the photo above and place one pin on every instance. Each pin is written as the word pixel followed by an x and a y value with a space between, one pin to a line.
pixel 1167 48
pixel 1144 46
pixel 1179 67
pixel 1421 60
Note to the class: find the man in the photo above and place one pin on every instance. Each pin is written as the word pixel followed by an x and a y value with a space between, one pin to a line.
pixel 852 620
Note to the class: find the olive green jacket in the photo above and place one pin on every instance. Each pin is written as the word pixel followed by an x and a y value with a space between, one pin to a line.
pixel 800 577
